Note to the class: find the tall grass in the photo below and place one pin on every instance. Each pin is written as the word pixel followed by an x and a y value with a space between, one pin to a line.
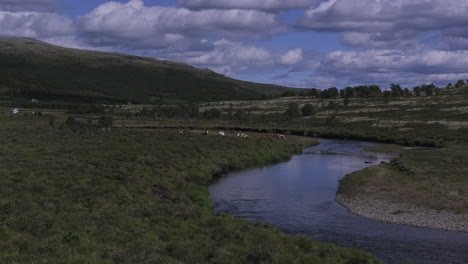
pixel 135 197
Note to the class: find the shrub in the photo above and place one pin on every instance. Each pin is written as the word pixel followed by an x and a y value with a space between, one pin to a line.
pixel 308 110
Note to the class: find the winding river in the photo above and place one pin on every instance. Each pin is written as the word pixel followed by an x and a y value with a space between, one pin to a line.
pixel 298 197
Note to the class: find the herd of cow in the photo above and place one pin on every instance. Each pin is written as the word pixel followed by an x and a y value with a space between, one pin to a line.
pixel 240 134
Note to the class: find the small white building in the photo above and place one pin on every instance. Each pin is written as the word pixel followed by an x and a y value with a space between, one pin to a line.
pixel 14 111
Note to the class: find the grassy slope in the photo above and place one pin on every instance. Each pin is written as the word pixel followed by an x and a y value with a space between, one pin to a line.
pixel 34 69
pixel 134 197
pixel 416 120
pixel 388 148
pixel 436 179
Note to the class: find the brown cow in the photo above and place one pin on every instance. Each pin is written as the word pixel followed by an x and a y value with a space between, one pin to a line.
pixel 269 136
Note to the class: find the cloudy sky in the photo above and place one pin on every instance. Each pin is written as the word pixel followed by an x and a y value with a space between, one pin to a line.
pixel 299 43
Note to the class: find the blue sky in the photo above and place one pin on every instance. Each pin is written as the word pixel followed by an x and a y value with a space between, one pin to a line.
pixel 299 43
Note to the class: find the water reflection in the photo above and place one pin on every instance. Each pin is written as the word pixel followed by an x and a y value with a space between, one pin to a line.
pixel 298 197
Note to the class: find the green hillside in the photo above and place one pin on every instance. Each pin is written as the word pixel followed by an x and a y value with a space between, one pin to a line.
pixel 35 69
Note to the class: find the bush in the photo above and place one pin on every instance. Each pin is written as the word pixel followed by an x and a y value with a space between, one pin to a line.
pixel 212 114
pixel 292 110
pixel 308 110
pixel 106 122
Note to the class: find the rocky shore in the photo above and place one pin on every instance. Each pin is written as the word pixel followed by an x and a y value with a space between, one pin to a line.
pixel 401 213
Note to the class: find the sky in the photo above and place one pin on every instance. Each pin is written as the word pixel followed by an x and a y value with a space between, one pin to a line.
pixel 297 43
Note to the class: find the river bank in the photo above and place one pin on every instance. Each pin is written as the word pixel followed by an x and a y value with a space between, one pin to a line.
pixel 403 213
pixel 424 188
pixel 136 196
pixel 298 197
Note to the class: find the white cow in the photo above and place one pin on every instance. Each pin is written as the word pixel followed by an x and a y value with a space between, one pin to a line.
pixel 242 135
pixel 279 136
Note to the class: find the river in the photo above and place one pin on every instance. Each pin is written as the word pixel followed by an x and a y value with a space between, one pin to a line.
pixel 298 197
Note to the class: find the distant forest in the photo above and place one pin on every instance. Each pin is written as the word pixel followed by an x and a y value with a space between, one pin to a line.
pixel 369 91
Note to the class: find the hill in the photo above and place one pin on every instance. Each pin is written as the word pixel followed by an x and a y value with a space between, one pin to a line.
pixel 35 69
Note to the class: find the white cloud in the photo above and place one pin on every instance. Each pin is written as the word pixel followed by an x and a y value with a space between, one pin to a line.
pixel 383 24
pixel 406 67
pixel 27 5
pixel 382 40
pixel 372 15
pixel 34 25
pixel 397 60
pixel 134 24
pixel 232 57
pixel 225 57
pixel 293 56
pixel 405 41
pixel 234 53
pixel 323 82
pixel 268 5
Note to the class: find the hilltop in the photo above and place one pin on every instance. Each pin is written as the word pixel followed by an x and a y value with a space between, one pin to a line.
pixel 35 69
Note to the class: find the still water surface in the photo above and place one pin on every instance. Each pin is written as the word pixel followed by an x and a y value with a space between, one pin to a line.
pixel 298 197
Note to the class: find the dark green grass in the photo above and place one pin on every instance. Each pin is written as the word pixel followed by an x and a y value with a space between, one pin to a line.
pixel 135 197
pixel 436 179
pixel 389 148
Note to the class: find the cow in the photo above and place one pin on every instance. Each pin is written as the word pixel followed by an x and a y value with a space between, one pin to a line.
pixel 221 133
pixel 279 136
pixel 242 135
pixel 269 136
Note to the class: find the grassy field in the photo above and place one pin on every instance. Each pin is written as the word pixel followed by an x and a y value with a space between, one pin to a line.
pixel 435 121
pixel 435 179
pixel 138 194
pixel 389 149
pixel 135 196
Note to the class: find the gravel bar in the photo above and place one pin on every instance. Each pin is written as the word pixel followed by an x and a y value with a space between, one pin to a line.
pixel 401 213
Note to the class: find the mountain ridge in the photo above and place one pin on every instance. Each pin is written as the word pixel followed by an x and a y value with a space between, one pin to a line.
pixel 31 67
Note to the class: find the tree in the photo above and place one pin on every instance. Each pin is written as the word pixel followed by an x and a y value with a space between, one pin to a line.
pixel 374 91
pixel 70 123
pixel 346 101
pixel 406 92
pixel 396 90
pixel 417 91
pixel 428 89
pixel 342 93
pixel 460 84
pixel 313 93
pixel 191 110
pixel 349 92
pixel 292 110
pixel 330 93
pixel 332 105
pixel 52 119
pixel 105 122
pixel 212 114
pixel 334 93
pixel 308 110
pixel 241 115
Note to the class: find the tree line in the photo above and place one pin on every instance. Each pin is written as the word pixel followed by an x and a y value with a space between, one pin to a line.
pixel 369 91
